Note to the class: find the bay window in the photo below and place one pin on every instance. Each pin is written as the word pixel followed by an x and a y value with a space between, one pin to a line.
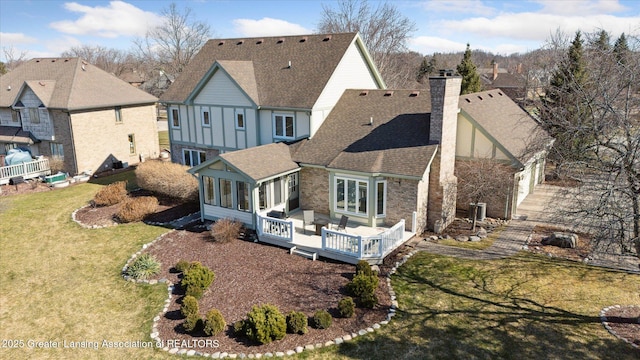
pixel 351 195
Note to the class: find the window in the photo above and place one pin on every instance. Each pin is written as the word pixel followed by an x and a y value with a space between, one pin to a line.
pixel 283 126
pixel 226 196
pixel 206 120
pixel 132 143
pixel 15 116
pixel 381 197
pixel 209 194
pixel 243 196
pixel 263 195
pixel 277 191
pixel 175 118
pixel 193 157
pixel 118 111
pixel 34 116
pixel 351 195
pixel 239 119
pixel 57 151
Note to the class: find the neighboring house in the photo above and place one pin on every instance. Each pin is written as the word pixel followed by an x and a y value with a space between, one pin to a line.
pixel 240 93
pixel 492 126
pixel 513 84
pixel 67 109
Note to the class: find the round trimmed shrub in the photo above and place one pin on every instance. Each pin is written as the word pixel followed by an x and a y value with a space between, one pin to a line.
pixel 265 324
pixel 197 279
pixel 346 307
pixel 214 323
pixel 297 322
pixel 239 328
pixel 182 266
pixel 363 267
pixel 322 319
pixel 368 301
pixel 362 285
pixel 189 306
pixel 191 323
pixel 143 267
pixel 111 194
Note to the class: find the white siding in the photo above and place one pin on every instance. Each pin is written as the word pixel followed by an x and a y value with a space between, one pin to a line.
pixel 216 212
pixel 266 127
pixel 463 137
pixel 523 184
pixel 221 90
pixel 351 73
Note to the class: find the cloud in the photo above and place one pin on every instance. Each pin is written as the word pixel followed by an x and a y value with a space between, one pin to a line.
pixel 117 19
pixel 15 39
pixel 430 44
pixel 268 27
pixel 475 7
pixel 580 7
pixel 59 45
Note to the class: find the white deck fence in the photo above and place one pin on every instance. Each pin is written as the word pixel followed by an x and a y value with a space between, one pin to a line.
pixel 27 170
pixel 275 228
pixel 363 247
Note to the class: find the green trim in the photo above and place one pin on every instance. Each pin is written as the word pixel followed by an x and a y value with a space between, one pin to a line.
pixel 372 67
pixel 205 80
pixel 475 125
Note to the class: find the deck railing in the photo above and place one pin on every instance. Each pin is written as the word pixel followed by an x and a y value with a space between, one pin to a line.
pixel 27 170
pixel 363 247
pixel 275 228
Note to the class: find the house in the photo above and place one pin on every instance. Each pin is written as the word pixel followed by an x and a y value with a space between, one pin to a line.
pixel 492 126
pixel 520 85
pixel 69 110
pixel 246 92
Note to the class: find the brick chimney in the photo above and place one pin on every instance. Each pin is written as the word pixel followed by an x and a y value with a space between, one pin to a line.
pixel 495 70
pixel 445 92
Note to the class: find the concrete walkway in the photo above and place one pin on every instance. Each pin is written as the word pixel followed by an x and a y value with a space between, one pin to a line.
pixel 536 209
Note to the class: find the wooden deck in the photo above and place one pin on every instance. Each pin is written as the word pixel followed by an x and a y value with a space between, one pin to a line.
pixel 355 243
pixel 28 170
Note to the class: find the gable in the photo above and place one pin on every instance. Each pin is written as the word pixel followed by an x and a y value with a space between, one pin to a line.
pixel 220 89
pixel 473 142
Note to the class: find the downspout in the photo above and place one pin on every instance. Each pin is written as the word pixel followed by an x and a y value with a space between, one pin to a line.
pixel 73 146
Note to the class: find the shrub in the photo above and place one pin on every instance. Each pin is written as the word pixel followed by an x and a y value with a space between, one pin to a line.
pixel 136 209
pixel 214 323
pixel 225 230
pixel 362 285
pixel 239 328
pixel 265 324
pixel 322 319
pixel 346 307
pixel 297 322
pixel 189 306
pixel 191 323
pixel 167 178
pixel 363 267
pixel 197 279
pixel 143 267
pixel 368 301
pixel 182 266
pixel 111 194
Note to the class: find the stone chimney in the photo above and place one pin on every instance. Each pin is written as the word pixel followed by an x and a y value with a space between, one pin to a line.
pixel 495 70
pixel 445 92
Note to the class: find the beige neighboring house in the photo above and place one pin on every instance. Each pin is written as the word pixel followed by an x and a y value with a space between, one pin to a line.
pixel 68 109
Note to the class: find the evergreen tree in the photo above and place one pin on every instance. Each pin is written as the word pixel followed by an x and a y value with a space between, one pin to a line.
pixel 602 41
pixel 470 78
pixel 426 68
pixel 621 49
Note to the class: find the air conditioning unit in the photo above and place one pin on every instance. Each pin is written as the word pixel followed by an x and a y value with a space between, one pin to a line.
pixel 482 211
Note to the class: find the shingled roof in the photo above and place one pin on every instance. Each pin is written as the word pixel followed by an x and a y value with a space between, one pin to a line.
pixel 70 84
pixel 281 71
pixel 505 121
pixel 374 131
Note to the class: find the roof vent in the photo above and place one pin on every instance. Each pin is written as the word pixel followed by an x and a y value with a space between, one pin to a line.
pixel 41 83
pixel 38 60
pixel 221 42
pixel 446 72
pixel 304 39
pixel 479 97
pixel 467 100
pixel 388 93
pixel 280 41
pixel 260 41
pixel 327 38
pixel 414 93
pixel 490 95
pixel 364 93
pixel 8 87
pixel 240 42
pixel 499 93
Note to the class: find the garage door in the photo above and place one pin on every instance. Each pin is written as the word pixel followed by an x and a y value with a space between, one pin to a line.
pixel 524 184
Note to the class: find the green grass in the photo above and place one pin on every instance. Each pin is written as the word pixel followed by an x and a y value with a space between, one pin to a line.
pixel 60 282
pixel 476 245
pixel 163 139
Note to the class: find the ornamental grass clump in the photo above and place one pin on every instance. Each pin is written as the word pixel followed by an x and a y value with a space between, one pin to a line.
pixel 225 230
pixel 168 179
pixel 111 194
pixel 143 267
pixel 322 319
pixel 297 322
pixel 214 323
pixel 137 208
pixel 265 324
pixel 197 279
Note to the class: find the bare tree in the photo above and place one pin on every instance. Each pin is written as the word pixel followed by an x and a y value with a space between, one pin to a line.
pixel 14 57
pixel 384 31
pixel 171 46
pixel 113 61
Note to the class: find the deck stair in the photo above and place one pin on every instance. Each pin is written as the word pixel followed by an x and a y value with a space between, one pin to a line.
pixel 308 254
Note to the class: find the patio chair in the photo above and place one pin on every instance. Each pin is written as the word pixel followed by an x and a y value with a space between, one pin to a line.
pixel 343 223
pixel 308 218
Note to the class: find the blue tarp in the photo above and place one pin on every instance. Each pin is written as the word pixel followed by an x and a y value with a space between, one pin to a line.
pixel 17 156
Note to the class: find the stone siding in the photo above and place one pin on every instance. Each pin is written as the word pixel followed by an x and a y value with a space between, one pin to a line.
pixel 314 190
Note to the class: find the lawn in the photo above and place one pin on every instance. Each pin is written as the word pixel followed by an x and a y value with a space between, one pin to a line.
pixel 60 282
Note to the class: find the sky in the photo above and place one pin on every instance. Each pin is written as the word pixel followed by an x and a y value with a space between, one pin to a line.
pixel 46 28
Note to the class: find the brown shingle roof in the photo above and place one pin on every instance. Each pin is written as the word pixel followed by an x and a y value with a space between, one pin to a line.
pixel 505 121
pixel 262 162
pixel 70 84
pixel 397 142
pixel 313 60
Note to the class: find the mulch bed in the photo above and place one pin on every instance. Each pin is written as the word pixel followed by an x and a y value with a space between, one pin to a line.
pixel 624 322
pixel 582 250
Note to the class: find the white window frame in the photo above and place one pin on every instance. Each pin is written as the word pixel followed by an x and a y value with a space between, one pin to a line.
pixel 283 119
pixel 384 199
pixel 205 116
pixel 131 138
pixel 118 111
pixel 246 204
pixel 175 117
pixel 191 157
pixel 345 208
pixel 225 196
pixel 209 190
pixel 239 114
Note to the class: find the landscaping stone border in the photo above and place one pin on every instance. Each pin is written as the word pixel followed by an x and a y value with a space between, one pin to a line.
pixel 155 334
pixel 603 318
pixel 73 216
